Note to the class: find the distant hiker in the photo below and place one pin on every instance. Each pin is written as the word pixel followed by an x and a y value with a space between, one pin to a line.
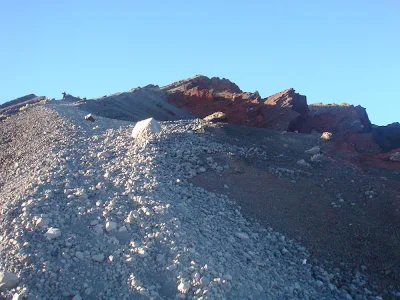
pixel 64 95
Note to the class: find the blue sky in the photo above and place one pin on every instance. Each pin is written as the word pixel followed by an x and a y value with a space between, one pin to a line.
pixel 331 51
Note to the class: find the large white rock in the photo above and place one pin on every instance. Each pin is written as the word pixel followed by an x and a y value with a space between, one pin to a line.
pixel 184 287
pixel 326 136
pixel 8 281
pixel 17 296
pixel 146 127
pixel 52 233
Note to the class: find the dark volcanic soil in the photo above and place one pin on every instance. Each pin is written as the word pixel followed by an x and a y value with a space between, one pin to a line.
pixel 347 215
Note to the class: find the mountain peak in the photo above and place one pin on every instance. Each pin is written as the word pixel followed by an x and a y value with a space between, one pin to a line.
pixel 202 82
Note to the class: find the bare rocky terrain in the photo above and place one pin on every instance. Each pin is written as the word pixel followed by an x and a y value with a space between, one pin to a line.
pixel 200 210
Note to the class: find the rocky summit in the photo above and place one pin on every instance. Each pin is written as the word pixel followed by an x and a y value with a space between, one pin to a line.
pixel 197 190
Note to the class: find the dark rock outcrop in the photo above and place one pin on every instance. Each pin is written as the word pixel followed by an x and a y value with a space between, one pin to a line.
pixel 387 137
pixel 334 118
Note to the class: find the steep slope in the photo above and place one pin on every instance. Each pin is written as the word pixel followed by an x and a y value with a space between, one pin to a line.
pixel 134 105
pixel 98 215
pixel 13 106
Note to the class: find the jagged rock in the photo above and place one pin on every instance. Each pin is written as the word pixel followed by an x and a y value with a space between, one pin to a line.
pixel 203 96
pixel 8 280
pixel 145 128
pixel 284 110
pixel 71 98
pixel 152 87
pixel 216 117
pixel 387 137
pixel 334 118
pixel 202 82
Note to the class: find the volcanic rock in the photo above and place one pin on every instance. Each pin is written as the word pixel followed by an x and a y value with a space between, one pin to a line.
pixel 334 118
pixel 387 137
pixel 203 96
pixel 216 117
pixel 284 110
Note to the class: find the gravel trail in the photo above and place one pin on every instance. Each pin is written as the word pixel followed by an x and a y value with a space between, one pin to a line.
pixel 90 213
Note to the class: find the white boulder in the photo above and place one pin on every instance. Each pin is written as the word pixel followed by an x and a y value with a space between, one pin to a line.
pixel 326 136
pixel 184 287
pixel 52 233
pixel 145 128
pixel 216 117
pixel 17 296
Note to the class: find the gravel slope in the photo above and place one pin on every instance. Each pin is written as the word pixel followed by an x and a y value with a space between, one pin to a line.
pixel 88 213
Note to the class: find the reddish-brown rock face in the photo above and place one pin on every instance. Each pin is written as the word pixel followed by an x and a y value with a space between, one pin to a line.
pixel 203 96
pixel 284 110
pixel 354 135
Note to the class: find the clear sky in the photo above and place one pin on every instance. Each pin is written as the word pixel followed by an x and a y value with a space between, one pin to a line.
pixel 331 51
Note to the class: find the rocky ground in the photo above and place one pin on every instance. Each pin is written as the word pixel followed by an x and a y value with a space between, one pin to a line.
pixel 196 212
pixel 347 214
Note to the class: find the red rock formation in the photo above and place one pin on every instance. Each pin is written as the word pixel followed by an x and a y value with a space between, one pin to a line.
pixel 353 134
pixel 203 96
pixel 284 110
